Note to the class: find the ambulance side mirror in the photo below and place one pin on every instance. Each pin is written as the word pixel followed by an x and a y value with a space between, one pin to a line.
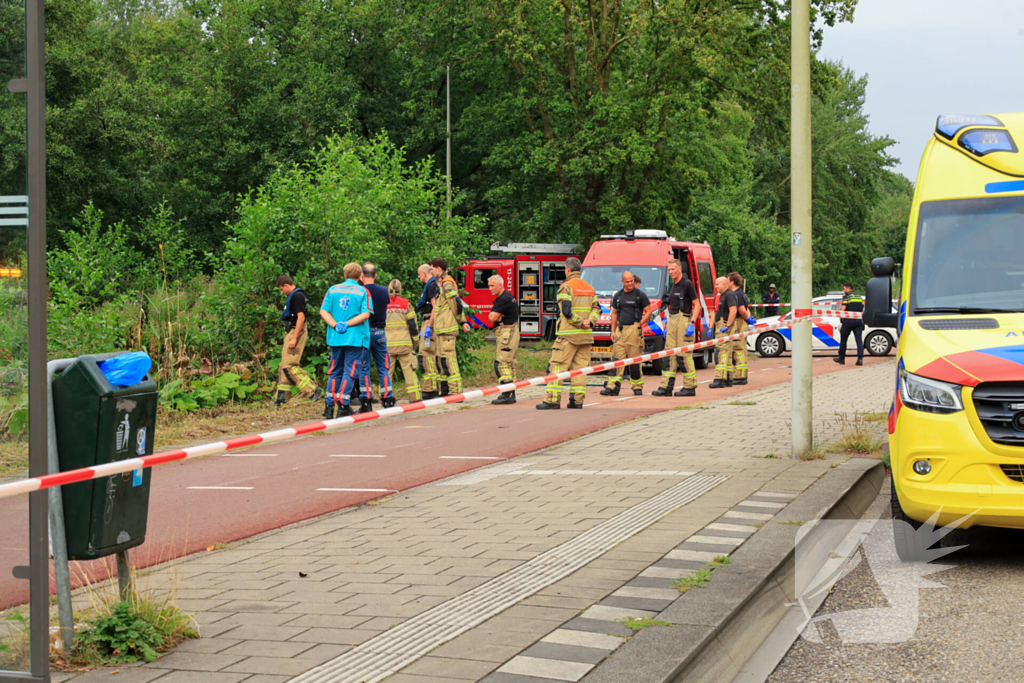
pixel 878 296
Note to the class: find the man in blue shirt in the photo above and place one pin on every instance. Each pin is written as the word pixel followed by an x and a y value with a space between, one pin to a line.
pixel 771 300
pixel 346 309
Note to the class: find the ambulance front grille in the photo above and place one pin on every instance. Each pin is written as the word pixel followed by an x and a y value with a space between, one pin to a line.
pixel 602 329
pixel 1015 472
pixel 1000 407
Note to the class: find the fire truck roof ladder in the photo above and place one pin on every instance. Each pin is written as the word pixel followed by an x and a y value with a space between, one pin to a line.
pixel 533 248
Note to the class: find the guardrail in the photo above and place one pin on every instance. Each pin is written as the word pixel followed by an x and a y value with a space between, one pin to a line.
pixel 120 466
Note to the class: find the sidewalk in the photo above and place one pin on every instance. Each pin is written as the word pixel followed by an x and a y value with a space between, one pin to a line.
pixel 484 575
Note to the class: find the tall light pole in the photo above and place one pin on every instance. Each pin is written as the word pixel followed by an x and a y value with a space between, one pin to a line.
pixel 800 215
pixel 448 142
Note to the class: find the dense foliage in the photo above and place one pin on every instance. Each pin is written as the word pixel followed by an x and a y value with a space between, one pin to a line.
pixel 198 149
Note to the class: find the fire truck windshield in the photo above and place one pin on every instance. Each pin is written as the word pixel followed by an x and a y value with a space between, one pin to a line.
pixel 606 280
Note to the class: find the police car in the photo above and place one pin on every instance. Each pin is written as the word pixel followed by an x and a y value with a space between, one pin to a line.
pixel 825 333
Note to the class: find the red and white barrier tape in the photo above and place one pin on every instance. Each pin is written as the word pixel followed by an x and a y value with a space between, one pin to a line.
pixel 766 305
pixel 121 466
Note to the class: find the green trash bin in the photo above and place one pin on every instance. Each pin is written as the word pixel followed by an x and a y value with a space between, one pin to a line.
pixel 98 422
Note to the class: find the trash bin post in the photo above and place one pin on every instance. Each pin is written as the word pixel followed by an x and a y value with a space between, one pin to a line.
pixel 124 576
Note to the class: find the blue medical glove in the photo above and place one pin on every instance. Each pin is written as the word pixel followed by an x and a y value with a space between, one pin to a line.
pixel 724 329
pixel 689 330
pixel 341 328
pixel 751 320
pixel 428 331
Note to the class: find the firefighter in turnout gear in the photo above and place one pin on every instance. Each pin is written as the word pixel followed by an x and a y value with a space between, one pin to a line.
pixel 631 309
pixel 725 324
pixel 578 310
pixel 505 316
pixel 743 322
pixel 427 346
pixel 401 332
pixel 289 372
pixel 683 309
pixel 445 321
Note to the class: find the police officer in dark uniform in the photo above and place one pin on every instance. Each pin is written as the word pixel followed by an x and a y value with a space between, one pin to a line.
pixel 853 303
pixel 631 309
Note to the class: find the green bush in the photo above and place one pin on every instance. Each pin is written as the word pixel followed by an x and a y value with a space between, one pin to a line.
pixel 133 630
pixel 354 201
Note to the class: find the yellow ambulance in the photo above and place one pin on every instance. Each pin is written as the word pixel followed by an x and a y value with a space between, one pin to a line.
pixel 956 426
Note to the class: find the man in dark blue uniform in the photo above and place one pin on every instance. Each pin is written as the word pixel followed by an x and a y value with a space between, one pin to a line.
pixel 855 304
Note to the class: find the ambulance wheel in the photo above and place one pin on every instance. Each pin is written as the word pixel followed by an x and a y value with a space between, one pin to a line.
pixel 910 543
pixel 770 345
pixel 704 359
pixel 878 343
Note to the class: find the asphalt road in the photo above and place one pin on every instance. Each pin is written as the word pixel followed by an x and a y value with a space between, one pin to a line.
pixel 219 499
pixel 966 627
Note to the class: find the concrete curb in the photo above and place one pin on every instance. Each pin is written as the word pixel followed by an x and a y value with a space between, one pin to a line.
pixel 716 628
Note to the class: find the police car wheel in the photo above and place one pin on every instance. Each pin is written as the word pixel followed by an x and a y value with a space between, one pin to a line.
pixel 878 343
pixel 702 360
pixel 770 345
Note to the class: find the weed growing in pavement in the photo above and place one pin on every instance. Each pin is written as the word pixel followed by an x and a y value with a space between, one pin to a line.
pixel 743 403
pixel 699 406
pixel 696 579
pixel 719 561
pixel 639 624
pixel 886 459
pixel 795 522
pixel 857 435
pixel 768 456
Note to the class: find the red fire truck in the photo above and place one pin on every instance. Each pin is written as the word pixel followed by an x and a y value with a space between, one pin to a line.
pixel 646 254
pixel 532 274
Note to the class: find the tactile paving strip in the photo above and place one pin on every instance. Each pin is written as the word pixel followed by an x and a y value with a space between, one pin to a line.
pixel 399 647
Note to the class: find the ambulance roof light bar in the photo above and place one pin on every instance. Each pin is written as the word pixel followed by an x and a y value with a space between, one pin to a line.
pixel 533 248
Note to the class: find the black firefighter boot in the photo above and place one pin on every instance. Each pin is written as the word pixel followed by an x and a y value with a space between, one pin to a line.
pixel 365 405
pixel 686 392
pixel 574 404
pixel 720 384
pixel 282 398
pixel 388 402
pixel 667 391
pixel 638 391
pixel 611 389
pixel 344 411
pixel 444 389
pixel 328 413
pixel 544 405
pixel 506 398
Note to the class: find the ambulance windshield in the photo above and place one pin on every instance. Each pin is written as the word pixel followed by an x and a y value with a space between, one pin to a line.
pixel 606 280
pixel 969 257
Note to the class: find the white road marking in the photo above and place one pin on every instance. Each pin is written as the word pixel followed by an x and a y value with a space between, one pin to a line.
pixel 220 488
pixel 417 427
pixel 469 457
pixel 592 404
pixel 707 381
pixel 363 490
pixel 346 455
pixel 627 398
pixel 248 455
pixel 518 421
pixel 471 431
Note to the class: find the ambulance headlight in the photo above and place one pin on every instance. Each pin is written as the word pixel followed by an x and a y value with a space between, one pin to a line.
pixel 929 395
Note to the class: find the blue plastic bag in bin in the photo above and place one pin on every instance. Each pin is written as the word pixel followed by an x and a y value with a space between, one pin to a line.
pixel 126 369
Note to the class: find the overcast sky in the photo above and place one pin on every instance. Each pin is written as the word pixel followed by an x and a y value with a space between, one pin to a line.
pixel 929 57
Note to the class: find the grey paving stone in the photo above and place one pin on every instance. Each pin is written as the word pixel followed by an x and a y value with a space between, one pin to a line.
pixel 264 648
pixel 501 677
pixel 206 645
pixel 612 628
pixel 122 675
pixel 272 665
pixel 706 548
pixel 202 677
pixel 568 653
pixel 636 603
pixel 683 565
pixel 195 661
pixel 650 582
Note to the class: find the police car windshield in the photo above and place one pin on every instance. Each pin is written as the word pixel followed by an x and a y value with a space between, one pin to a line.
pixel 969 254
pixel 606 280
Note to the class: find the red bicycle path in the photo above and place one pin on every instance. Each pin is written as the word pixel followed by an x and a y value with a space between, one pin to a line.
pixel 257 490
